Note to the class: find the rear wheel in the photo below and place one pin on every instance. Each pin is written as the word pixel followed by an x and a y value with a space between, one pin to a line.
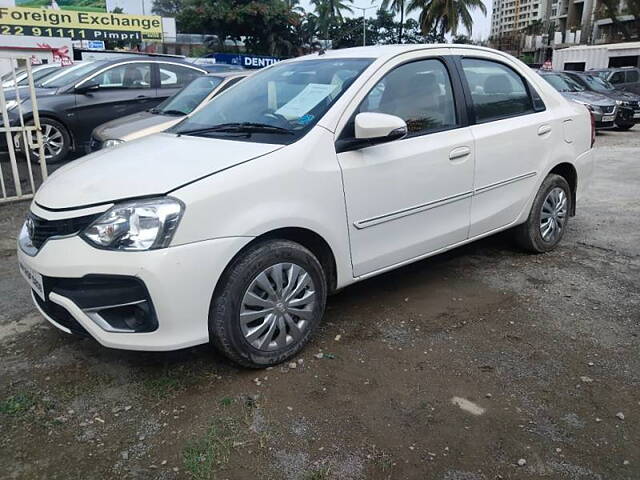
pixel 548 218
pixel 268 304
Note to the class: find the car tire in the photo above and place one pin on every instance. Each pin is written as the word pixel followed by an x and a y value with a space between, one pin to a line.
pixel 624 126
pixel 548 218
pixel 56 140
pixel 255 323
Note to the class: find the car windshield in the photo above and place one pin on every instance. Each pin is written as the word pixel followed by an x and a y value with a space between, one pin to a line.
pixel 596 83
pixel 563 83
pixel 276 105
pixel 188 99
pixel 70 75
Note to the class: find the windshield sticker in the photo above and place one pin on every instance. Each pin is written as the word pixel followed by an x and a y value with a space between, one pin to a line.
pixel 306 119
pixel 306 100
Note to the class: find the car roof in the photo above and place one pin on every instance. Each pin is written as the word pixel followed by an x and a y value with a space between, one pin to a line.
pixel 228 74
pixel 390 51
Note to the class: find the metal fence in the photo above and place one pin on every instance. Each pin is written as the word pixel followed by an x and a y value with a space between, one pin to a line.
pixel 17 179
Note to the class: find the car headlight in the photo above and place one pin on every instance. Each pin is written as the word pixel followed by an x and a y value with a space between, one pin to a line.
pixel 622 103
pixel 112 142
pixel 11 104
pixel 138 225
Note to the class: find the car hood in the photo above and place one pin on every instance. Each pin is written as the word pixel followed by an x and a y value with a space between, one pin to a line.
pixel 10 93
pixel 135 126
pixel 592 98
pixel 623 96
pixel 153 165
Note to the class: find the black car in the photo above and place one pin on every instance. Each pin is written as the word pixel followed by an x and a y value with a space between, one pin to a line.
pixel 79 98
pixel 628 102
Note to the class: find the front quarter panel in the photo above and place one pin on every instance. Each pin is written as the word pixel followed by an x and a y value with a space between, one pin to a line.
pixel 296 186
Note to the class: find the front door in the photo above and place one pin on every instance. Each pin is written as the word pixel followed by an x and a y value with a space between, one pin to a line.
pixel 412 196
pixel 120 90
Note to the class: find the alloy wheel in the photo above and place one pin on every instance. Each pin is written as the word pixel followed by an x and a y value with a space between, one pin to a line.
pixel 553 214
pixel 277 307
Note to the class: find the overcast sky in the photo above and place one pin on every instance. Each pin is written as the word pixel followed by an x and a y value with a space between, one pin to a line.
pixel 481 24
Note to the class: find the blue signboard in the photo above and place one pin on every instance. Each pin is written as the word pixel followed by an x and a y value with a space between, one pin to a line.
pixel 245 61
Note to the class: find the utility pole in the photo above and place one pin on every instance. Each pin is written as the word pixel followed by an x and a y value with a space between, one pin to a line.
pixel 364 22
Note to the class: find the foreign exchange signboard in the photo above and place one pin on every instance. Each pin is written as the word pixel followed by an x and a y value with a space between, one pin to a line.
pixel 77 25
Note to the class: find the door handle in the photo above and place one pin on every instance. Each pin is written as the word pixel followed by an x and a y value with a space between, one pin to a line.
pixel 458 153
pixel 544 129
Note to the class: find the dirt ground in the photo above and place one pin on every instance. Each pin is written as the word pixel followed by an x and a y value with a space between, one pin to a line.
pixel 483 363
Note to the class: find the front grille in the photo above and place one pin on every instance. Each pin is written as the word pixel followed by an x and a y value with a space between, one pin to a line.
pixel 44 229
pixel 609 109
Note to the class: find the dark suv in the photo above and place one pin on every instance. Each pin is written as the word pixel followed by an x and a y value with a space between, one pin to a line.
pixel 79 98
pixel 628 102
pixel 623 78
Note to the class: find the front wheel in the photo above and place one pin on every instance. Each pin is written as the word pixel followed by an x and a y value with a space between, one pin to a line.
pixel 56 141
pixel 624 125
pixel 268 303
pixel 548 218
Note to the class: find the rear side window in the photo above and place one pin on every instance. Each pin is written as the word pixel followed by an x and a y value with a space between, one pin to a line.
pixel 496 90
pixel 632 76
pixel 176 76
pixel 418 92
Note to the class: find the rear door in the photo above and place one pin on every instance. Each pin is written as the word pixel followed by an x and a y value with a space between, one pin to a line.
pixel 632 80
pixel 513 134
pixel 412 196
pixel 120 90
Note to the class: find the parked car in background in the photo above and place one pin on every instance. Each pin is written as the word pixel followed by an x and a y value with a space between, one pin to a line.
pixel 211 66
pixel 307 176
pixel 192 97
pixel 623 78
pixel 628 102
pixel 78 99
pixel 604 109
pixel 39 72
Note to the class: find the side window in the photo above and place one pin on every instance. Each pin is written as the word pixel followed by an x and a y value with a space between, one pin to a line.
pixel 418 92
pixel 632 76
pixel 129 75
pixel 176 76
pixel 617 77
pixel 496 90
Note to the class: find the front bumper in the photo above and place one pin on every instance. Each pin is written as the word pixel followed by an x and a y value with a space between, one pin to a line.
pixel 179 280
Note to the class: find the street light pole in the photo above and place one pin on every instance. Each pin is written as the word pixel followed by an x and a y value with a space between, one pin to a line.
pixel 364 22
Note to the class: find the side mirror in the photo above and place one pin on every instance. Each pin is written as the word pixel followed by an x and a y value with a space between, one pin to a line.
pixel 371 129
pixel 90 86
pixel 379 127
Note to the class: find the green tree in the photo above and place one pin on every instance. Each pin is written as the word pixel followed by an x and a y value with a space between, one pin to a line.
pixel 445 16
pixel 396 6
pixel 167 8
pixel 330 13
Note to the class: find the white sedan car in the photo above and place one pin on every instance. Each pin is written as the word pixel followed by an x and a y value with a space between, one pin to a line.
pixel 310 175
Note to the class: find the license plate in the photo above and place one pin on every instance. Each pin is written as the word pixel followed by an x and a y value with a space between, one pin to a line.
pixel 636 115
pixel 608 118
pixel 33 278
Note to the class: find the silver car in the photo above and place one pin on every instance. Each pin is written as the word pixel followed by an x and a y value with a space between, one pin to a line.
pixel 604 109
pixel 191 98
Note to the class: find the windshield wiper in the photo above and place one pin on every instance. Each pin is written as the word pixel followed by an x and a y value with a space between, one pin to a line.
pixel 238 127
pixel 170 112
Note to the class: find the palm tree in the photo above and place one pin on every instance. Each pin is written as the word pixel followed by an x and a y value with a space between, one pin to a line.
pixel 445 16
pixel 329 13
pixel 396 6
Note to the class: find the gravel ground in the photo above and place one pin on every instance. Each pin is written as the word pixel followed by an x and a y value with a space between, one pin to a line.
pixel 478 364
